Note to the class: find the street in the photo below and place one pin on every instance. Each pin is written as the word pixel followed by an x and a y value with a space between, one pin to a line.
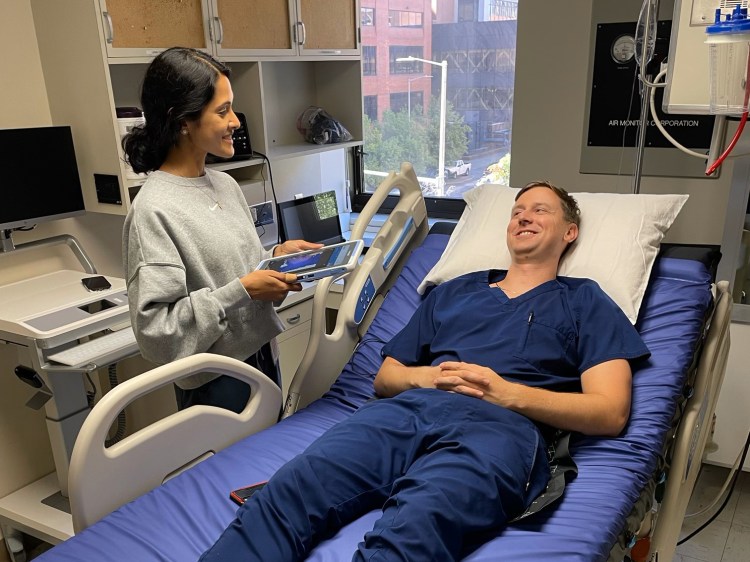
pixel 456 187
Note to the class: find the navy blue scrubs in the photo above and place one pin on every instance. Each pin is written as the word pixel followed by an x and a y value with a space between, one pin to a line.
pixel 445 468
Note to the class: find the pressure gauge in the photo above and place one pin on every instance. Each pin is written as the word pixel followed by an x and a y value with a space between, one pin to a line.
pixel 623 49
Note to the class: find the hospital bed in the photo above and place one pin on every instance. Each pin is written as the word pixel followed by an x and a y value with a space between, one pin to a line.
pixel 634 486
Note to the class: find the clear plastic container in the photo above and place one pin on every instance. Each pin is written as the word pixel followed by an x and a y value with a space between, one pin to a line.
pixel 729 51
pixel 728 64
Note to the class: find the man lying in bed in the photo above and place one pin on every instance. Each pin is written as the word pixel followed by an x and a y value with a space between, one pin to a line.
pixel 456 448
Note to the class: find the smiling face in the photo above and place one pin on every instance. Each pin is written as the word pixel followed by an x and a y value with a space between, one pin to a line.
pixel 537 230
pixel 212 132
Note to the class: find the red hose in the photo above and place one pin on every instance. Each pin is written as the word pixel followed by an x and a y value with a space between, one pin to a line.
pixel 712 168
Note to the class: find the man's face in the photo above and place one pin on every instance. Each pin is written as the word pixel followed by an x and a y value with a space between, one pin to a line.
pixel 537 230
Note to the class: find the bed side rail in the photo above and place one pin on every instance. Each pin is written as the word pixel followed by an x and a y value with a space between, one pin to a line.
pixel 102 479
pixel 694 429
pixel 328 350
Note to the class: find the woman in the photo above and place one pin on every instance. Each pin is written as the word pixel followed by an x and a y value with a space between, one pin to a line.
pixel 189 242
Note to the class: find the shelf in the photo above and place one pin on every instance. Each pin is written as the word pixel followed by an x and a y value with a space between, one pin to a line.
pixel 305 149
pixel 26 511
pixel 233 165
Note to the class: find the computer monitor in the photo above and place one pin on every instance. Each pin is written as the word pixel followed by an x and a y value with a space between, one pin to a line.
pixel 314 218
pixel 40 179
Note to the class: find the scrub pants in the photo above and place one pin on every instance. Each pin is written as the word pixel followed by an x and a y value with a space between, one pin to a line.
pixel 228 392
pixel 446 469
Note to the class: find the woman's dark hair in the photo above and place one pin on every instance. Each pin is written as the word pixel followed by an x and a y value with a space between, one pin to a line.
pixel 178 84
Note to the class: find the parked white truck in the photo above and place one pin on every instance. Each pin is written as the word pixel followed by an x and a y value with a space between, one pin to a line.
pixel 460 168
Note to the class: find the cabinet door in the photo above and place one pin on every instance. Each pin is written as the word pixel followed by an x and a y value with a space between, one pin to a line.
pixel 253 27
pixel 143 28
pixel 330 27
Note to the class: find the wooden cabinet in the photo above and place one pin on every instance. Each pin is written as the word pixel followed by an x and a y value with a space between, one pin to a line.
pixel 238 29
pixel 329 28
pixel 231 28
pixel 95 63
pixel 135 28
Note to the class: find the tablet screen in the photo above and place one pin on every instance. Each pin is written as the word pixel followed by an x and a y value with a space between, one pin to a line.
pixel 329 256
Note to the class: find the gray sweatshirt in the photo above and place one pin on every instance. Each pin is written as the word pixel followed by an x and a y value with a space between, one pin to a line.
pixel 186 243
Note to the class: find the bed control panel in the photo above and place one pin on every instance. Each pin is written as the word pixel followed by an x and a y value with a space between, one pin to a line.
pixel 365 298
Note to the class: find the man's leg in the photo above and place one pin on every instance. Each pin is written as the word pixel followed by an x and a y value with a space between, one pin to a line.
pixel 345 473
pixel 472 477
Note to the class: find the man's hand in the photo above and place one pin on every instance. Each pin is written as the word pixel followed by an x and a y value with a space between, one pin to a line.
pixel 269 285
pixel 294 246
pixel 602 408
pixel 464 378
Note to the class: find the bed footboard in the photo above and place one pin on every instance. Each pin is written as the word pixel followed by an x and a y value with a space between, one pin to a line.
pixel 364 288
pixel 101 478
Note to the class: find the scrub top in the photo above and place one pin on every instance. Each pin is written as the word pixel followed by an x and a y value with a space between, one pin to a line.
pixel 545 338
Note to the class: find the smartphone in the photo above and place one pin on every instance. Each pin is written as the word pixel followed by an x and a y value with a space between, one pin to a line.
pixel 241 495
pixel 98 283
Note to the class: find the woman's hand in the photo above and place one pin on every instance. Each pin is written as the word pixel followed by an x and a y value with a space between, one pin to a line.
pixel 294 246
pixel 269 285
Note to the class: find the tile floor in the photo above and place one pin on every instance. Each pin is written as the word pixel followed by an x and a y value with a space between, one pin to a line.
pixel 727 539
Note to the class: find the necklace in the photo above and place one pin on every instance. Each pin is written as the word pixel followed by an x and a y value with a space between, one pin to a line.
pixel 212 197
pixel 497 284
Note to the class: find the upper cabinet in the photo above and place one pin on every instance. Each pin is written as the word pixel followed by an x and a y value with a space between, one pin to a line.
pixel 138 28
pixel 231 29
pixel 284 56
pixel 328 28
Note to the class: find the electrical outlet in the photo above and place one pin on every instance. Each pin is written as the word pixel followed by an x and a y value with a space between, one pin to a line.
pixel 262 213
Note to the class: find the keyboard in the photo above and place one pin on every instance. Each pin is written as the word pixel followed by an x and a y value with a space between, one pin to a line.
pixel 101 347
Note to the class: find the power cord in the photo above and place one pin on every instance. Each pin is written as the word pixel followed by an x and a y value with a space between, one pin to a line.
pixel 726 500
pixel 273 190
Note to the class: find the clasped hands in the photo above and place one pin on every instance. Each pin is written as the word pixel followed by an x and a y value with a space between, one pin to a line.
pixel 472 380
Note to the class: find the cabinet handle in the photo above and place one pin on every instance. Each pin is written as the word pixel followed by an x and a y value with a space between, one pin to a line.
pixel 331 52
pixel 300 36
pixel 293 319
pixel 108 27
pixel 220 36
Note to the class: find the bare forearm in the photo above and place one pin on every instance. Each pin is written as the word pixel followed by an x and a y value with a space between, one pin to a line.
pixel 394 377
pixel 591 414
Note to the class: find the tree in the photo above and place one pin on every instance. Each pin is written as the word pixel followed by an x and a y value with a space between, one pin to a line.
pixel 456 133
pixel 396 139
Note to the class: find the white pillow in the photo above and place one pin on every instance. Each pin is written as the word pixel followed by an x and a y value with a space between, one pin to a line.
pixel 617 243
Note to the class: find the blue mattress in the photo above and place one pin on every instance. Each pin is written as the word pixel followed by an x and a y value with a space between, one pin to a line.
pixel 181 519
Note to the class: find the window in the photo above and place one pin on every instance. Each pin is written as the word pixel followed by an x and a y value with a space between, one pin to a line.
pixel 367 16
pixel 466 9
pixel 399 102
pixel 401 18
pixel 416 103
pixel 503 10
pixel 371 107
pixel 405 67
pixel 369 60
pixel 478 42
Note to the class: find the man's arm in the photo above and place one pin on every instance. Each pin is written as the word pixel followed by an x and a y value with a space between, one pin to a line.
pixel 394 377
pixel 602 408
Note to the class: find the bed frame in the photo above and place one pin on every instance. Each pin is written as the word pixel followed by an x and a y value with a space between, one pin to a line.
pixel 94 467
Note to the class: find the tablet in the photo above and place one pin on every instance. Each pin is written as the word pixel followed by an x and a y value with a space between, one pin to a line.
pixel 311 265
